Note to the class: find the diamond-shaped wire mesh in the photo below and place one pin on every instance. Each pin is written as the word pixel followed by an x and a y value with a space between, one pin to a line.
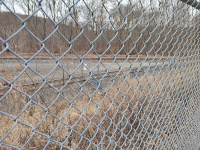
pixel 99 74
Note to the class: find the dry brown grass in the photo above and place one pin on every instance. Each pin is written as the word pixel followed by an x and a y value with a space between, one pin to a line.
pixel 142 107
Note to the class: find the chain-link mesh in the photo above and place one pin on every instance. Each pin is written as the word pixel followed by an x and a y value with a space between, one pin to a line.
pixel 99 74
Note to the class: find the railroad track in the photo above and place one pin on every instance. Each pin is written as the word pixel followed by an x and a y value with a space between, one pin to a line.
pixel 86 58
pixel 82 77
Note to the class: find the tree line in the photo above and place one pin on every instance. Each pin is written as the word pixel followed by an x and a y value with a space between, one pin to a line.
pixel 109 27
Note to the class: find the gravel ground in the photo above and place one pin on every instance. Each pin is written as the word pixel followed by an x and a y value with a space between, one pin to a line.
pixel 10 69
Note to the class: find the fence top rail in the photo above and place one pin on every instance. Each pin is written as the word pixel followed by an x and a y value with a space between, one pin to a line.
pixel 192 3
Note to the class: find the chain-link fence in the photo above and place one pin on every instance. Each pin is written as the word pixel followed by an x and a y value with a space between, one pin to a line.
pixel 99 74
